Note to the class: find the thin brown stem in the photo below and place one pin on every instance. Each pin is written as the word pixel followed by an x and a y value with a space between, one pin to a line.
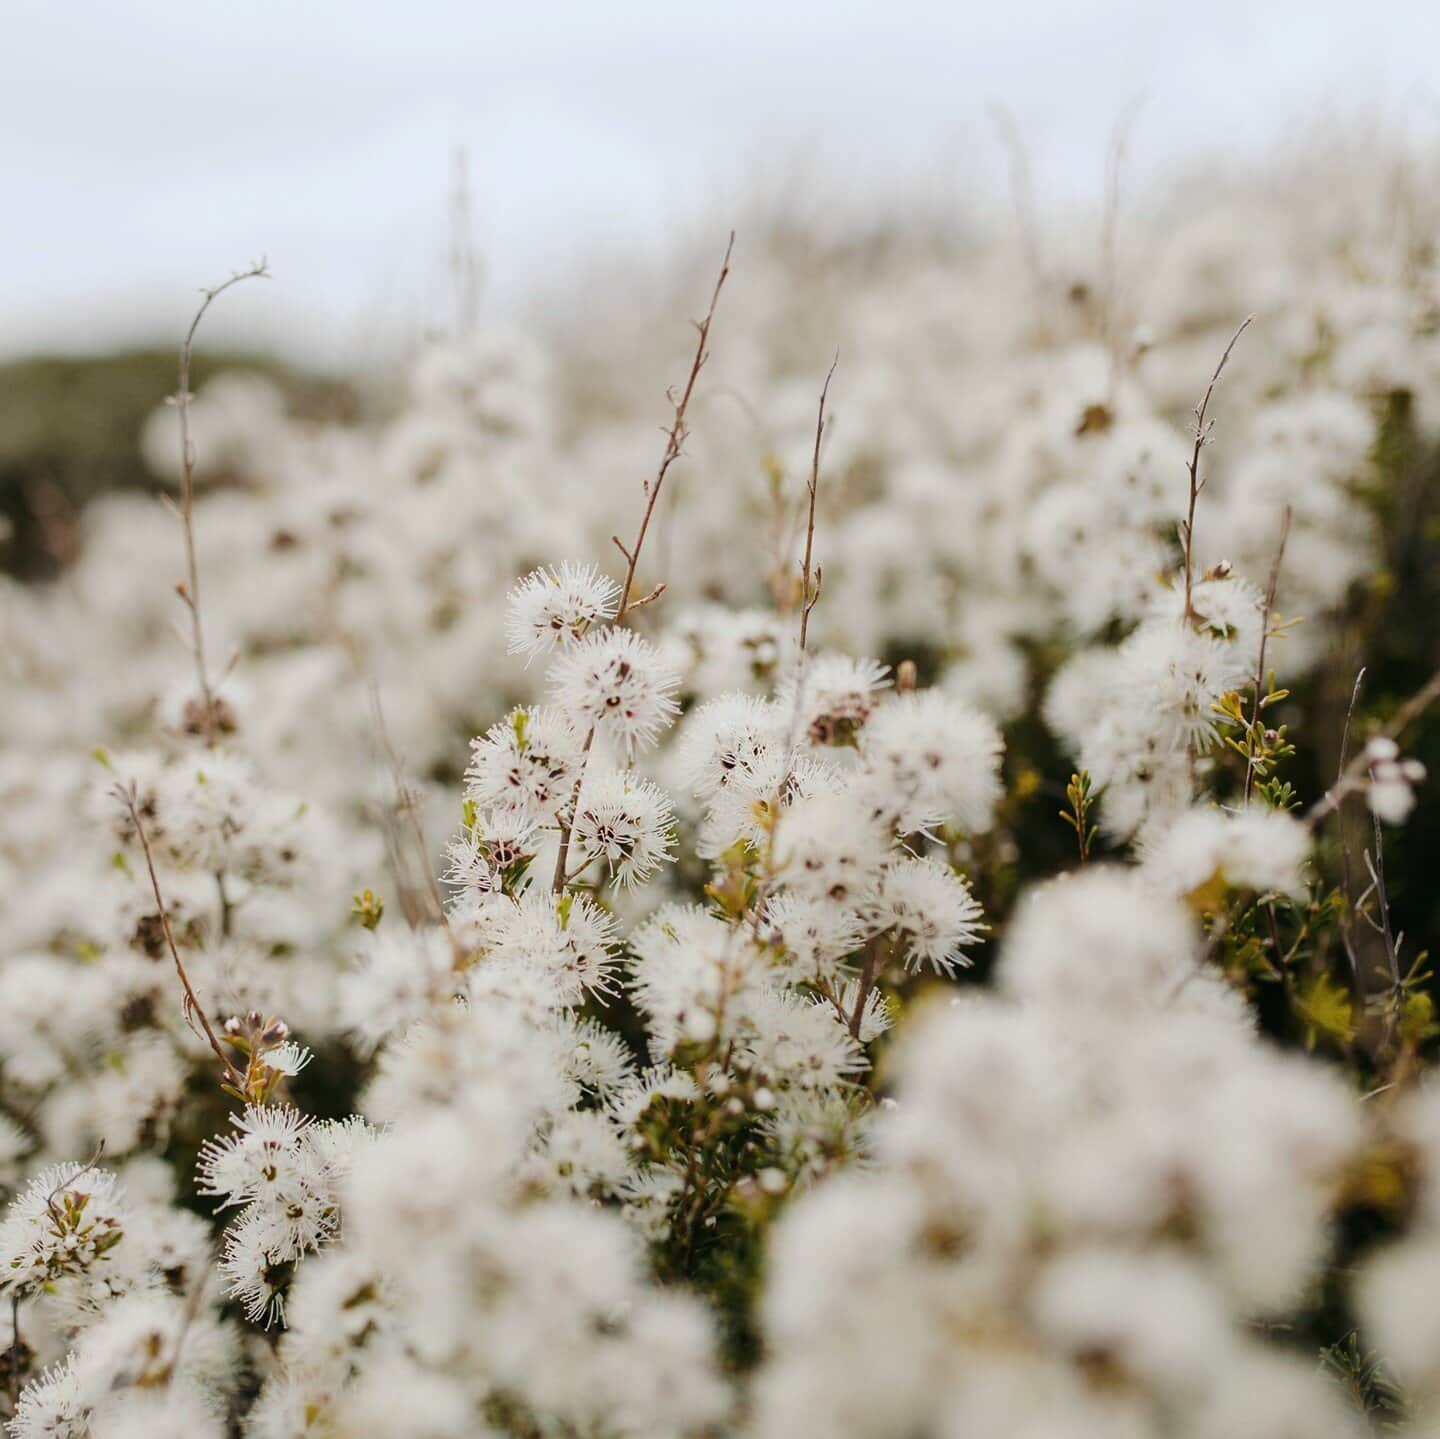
pixel 1352 777
pixel 189 588
pixel 568 823
pixel 192 1008
pixel 1347 938
pixel 868 973
pixel 674 442
pixel 1202 438
pixel 810 597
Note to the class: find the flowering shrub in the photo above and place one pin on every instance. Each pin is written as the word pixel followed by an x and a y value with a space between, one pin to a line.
pixel 673 1100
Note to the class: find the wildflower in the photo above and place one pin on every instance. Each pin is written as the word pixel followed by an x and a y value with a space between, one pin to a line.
pixel 832 697
pixel 552 608
pixel 625 822
pixel 1390 791
pixel 65 1225
pixel 616 683
pixel 527 762
pixel 929 760
pixel 932 910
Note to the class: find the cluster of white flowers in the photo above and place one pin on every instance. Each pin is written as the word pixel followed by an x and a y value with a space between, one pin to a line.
pixel 1090 1192
pixel 671 1101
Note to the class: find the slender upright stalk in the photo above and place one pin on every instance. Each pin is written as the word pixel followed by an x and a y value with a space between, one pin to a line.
pixel 189 588
pixel 1202 438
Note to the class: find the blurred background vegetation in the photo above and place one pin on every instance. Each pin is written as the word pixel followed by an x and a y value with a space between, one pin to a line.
pixel 70 430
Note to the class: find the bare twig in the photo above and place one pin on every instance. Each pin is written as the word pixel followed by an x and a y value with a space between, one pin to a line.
pixel 567 821
pixel 1202 438
pixel 674 445
pixel 193 1010
pixel 1352 777
pixel 868 973
pixel 674 439
pixel 1346 938
pixel 810 597
pixel 189 588
pixel 90 1164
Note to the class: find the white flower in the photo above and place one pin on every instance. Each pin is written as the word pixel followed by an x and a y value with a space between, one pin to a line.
pixel 528 762
pixel 401 976
pixel 492 852
pixel 257 1162
pixel 65 1225
pixel 625 822
pixel 570 936
pixel 54 1406
pixel 830 846
pixel 794 1041
pixel 932 909
pixel 815 934
pixel 1258 848
pixel 617 683
pixel 831 697
pixel 730 741
pixel 932 760
pixel 551 608
pixel 1390 791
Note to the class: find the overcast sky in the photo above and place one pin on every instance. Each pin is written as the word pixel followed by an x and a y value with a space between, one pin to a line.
pixel 149 147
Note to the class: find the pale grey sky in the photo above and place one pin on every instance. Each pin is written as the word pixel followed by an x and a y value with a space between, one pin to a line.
pixel 150 146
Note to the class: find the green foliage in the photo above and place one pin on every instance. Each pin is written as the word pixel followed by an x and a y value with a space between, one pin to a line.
pixel 368 909
pixel 1365 1379
pixel 1077 795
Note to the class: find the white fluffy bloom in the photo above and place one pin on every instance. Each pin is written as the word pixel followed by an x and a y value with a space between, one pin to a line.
pixel 551 608
pixel 54 1406
pixel 569 936
pixel 831 846
pixel 930 759
pixel 63 1228
pixel 690 972
pixel 286 1174
pixel 401 975
pixel 794 1041
pixel 617 684
pixel 528 761
pixel 626 823
pixel 730 741
pixel 815 934
pixel 258 1161
pixel 1102 941
pixel 1391 782
pixel 1257 848
pixel 492 853
pixel 831 697
pixel 933 911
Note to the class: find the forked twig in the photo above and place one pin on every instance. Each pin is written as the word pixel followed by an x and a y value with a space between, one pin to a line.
pixel 189 588
pixel 808 597
pixel 674 442
pixel 193 1010
pixel 1353 775
pixel 1202 438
